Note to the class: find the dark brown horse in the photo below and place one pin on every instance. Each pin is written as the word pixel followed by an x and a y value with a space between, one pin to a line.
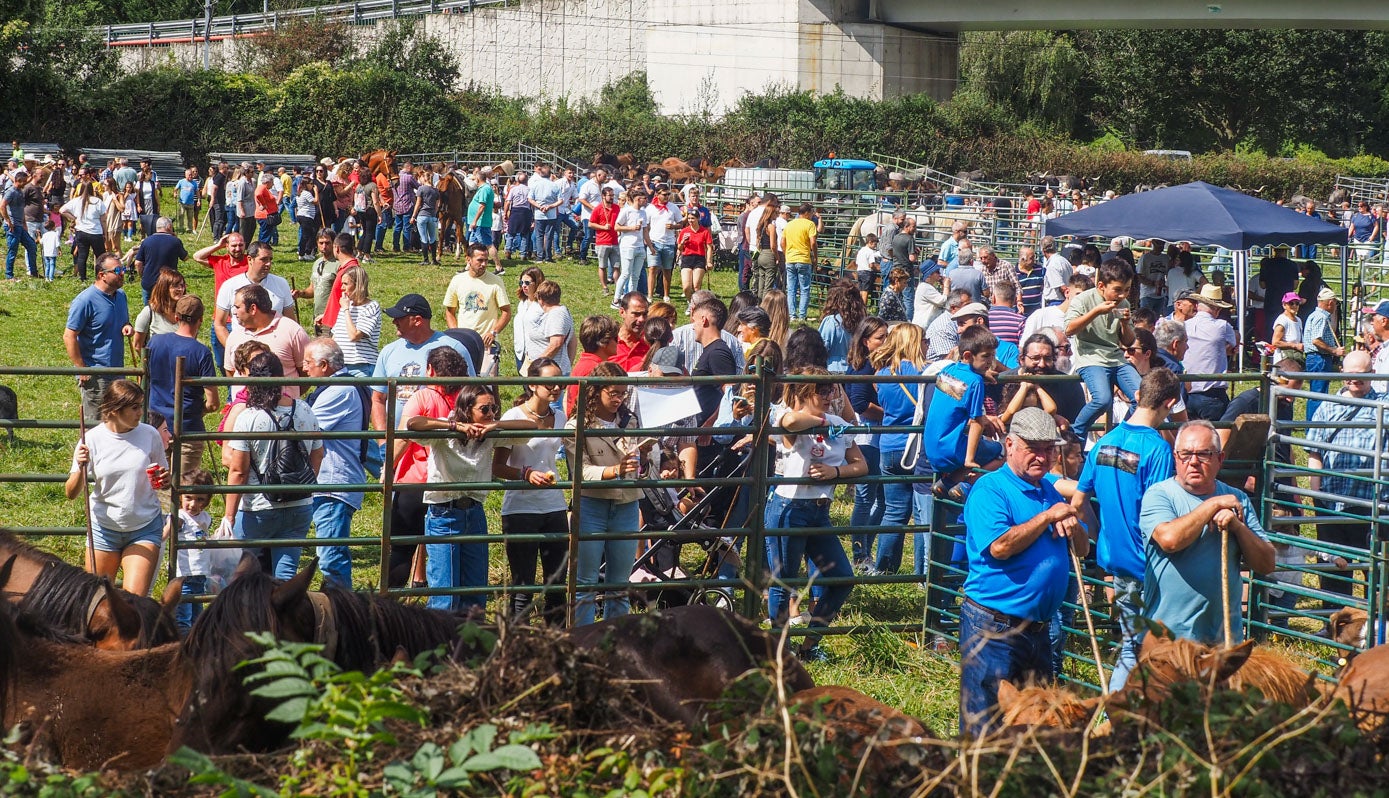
pixel 682 659
pixel 85 605
pixel 81 707
pixel 454 199
pixel 359 631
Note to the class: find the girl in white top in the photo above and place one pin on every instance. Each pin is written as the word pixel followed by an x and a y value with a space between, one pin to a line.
pixel 550 333
pixel 357 330
pixel 465 458
pixel 633 243
pixel 123 459
pixel 526 311
pixel 531 512
pixel 826 458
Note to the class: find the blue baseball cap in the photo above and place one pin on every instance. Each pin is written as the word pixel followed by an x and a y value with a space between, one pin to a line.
pixel 932 266
pixel 1381 309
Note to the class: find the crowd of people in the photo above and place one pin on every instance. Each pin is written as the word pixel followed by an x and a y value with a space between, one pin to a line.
pixel 973 358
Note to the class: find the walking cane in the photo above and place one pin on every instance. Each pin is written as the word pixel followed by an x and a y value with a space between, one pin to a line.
pixel 1089 622
pixel 294 289
pixel 86 489
pixel 130 347
pixel 1225 585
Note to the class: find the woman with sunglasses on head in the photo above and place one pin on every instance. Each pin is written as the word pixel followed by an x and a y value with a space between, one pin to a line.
pixel 526 310
pixel 466 456
pixel 530 512
pixel 825 457
pixel 605 510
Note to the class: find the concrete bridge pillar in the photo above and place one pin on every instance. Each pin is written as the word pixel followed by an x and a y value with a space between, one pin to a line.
pixel 704 56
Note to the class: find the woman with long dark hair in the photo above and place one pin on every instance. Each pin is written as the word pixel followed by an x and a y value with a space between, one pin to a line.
pixel 863 397
pixel 844 310
pixel 766 224
pixel 87 215
pixel 158 316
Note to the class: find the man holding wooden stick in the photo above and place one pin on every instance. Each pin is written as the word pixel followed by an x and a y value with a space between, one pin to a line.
pixel 1186 522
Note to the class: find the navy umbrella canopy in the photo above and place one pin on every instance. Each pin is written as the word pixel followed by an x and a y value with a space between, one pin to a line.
pixel 1202 214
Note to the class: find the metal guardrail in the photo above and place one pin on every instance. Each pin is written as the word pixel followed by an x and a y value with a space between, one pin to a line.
pixel 197 30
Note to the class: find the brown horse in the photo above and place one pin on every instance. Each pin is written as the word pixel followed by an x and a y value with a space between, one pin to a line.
pixel 85 708
pixel 1364 687
pixel 1044 705
pixel 85 605
pixel 682 659
pixel 380 162
pixel 359 631
pixel 454 200
pixel 1163 662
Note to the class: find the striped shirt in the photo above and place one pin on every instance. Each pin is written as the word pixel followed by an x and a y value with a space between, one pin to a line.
pixel 1030 290
pixel 367 318
pixel 1006 323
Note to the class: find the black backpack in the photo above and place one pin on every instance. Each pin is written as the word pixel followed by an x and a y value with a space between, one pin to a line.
pixel 288 465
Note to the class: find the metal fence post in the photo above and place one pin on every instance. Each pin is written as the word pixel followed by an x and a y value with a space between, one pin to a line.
pixel 757 516
pixel 176 462
pixel 576 477
pixel 388 490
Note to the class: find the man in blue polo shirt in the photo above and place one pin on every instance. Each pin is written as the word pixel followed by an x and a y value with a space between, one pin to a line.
pixel 1124 465
pixel 1016 531
pixel 955 422
pixel 98 322
pixel 1182 523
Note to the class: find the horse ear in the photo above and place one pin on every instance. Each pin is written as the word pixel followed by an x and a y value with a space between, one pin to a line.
pixel 248 564
pixel 1224 662
pixel 6 569
pixel 1007 694
pixel 295 589
pixel 123 613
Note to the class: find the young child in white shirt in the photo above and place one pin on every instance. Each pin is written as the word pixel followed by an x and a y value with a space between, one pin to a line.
pixel 193 525
pixel 51 241
pixel 868 262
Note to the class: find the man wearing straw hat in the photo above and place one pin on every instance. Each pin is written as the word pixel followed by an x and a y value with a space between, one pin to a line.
pixel 1017 528
pixel 1194 526
pixel 1210 342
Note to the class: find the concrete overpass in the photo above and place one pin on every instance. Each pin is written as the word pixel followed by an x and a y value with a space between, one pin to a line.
pixel 956 16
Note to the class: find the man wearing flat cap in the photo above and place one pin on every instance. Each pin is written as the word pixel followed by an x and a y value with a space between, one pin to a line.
pixel 1017 530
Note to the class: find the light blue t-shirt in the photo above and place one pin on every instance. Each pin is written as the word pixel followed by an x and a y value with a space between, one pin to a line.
pixel 1182 590
pixel 400 358
pixel 898 401
pixel 338 408
pixel 1118 471
pixel 837 342
pixel 1031 583
pixel 98 319
pixel 187 191
pixel 543 192
pixel 946 434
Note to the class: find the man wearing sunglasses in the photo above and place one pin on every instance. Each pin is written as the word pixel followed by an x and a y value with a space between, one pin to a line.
pixel 1184 521
pixel 97 322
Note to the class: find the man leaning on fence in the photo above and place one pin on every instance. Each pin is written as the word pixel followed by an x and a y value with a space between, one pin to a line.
pixel 1184 521
pixel 1017 528
pixel 1348 476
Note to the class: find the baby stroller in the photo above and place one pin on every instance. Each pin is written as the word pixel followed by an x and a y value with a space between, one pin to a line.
pixel 660 565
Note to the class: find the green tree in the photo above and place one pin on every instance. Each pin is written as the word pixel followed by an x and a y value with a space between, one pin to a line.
pixel 1033 75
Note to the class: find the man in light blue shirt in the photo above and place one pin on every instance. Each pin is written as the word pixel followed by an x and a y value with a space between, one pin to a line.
pixel 338 408
pixel 1184 522
pixel 545 199
pixel 1320 343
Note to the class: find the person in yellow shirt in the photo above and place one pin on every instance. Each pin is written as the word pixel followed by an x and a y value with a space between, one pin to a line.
pixel 801 247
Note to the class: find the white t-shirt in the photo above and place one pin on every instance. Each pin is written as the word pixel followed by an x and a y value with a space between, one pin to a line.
pixel 90 221
pixel 632 239
pixel 1154 266
pixel 1178 281
pixel 1041 318
pixel 526 310
pixel 280 297
pixel 589 192
pixel 253 419
pixel 867 257
pixel 193 529
pixel 927 304
pixel 458 460
pixel 538 453
pixel 663 222
pixel 541 326
pixel 52 241
pixel 121 498
pixel 1292 336
pixel 808 449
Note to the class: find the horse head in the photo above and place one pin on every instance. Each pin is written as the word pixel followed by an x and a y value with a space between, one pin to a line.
pixel 1038 705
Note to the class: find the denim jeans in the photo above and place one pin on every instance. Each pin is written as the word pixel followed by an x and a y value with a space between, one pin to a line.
pixel 798 289
pixel 571 224
pixel 277 523
pixel 187 612
pixel 1154 303
pixel 265 231
pixel 481 235
pixel 923 507
pixel 402 229
pixel 428 227
pixel 1128 601
pixel 989 652
pixel 520 244
pixel 1210 405
pixel 455 564
pixel 546 231
pixel 387 222
pixel 868 507
pixel 1316 363
pixel 664 262
pixel 785 553
pixel 17 236
pixel 633 272
pixel 332 518
pixel 605 515
pixel 50 267
pixel 897 513
pixel 1099 381
pixel 587 241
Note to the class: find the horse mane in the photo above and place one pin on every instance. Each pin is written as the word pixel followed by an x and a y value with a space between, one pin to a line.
pixel 372 627
pixel 217 642
pixel 62 593
pixel 1040 705
pixel 1278 678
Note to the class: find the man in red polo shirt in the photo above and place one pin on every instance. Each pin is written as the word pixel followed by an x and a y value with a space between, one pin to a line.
pixel 631 346
pixel 223 267
pixel 603 220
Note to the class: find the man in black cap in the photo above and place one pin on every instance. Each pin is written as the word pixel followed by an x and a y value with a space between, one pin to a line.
pixel 406 356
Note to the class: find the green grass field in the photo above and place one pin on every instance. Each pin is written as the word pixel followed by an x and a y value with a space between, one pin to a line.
pixel 897 669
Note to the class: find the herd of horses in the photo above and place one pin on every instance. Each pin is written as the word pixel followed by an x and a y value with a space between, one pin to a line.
pixel 96 678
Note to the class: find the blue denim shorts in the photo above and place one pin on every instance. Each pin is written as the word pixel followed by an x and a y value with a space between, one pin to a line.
pixel 108 540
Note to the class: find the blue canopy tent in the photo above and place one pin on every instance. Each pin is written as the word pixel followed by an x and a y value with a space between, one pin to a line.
pixel 1205 215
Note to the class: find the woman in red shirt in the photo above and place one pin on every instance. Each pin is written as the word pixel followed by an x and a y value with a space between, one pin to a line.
pixel 696 247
